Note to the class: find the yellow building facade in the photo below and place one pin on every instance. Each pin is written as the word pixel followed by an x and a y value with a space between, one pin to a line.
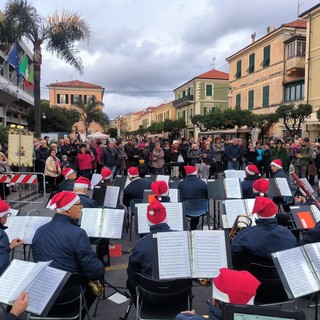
pixel 163 112
pixel 65 94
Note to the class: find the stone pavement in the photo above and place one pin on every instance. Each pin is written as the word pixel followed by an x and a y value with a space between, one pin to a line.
pixel 116 276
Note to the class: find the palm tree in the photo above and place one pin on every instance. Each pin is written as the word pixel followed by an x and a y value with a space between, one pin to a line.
pixel 59 32
pixel 92 111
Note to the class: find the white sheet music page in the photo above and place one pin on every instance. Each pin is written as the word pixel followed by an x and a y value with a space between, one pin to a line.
pixel 111 197
pixel 16 227
pixel 112 223
pixel 313 252
pixel 231 173
pixel 96 178
pixel 232 188
pixel 91 219
pixel 209 253
pixel 173 194
pixel 161 177
pixel 43 288
pixel 32 226
pixel 143 226
pixel 174 215
pixel 233 209
pixel 315 212
pixel 297 272
pixel 283 186
pixel 173 255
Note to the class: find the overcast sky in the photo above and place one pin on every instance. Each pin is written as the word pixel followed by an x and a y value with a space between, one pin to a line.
pixel 141 50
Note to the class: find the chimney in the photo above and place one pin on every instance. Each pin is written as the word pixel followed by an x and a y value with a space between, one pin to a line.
pixel 253 37
pixel 270 29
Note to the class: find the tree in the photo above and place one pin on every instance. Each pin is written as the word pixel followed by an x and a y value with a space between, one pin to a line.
pixel 174 126
pixel 60 32
pixel 293 116
pixel 265 121
pixel 239 118
pixel 198 120
pixel 3 134
pixel 92 111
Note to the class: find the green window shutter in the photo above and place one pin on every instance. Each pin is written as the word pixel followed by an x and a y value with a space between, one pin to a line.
pixel 265 96
pixel 238 101
pixel 250 99
pixel 238 73
pixel 266 56
pixel 209 90
pixel 251 63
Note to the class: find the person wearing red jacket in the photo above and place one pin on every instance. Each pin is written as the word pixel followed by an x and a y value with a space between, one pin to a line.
pixel 85 160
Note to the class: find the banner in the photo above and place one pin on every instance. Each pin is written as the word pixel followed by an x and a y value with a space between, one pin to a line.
pixel 20 151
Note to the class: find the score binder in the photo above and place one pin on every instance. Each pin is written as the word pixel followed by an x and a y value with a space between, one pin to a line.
pixel 195 254
pixel 299 269
pixel 228 188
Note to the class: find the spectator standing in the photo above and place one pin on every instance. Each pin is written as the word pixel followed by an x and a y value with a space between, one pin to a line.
pixel 110 157
pixel 70 151
pixel 42 154
pixel 218 152
pixel 194 155
pixel 157 160
pixel 85 160
pixel 233 153
pixel 52 171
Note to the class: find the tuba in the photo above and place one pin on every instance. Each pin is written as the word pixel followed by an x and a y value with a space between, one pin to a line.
pixel 96 288
pixel 242 221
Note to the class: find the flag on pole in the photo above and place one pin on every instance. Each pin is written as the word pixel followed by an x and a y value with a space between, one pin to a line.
pixel 13 59
pixel 30 78
pixel 24 66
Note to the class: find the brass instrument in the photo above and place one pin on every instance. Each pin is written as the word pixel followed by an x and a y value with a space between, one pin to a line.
pixel 206 282
pixel 96 287
pixel 242 221
pixel 305 189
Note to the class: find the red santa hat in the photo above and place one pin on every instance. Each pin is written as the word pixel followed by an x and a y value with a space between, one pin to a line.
pixel 264 208
pixel 232 286
pixel 160 188
pixel 106 173
pixel 277 163
pixel 261 186
pixel 63 201
pixel 82 183
pixel 251 169
pixel 156 213
pixel 133 172
pixel 66 172
pixel 190 170
pixel 4 208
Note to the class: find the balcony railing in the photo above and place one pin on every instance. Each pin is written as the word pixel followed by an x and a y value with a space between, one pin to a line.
pixel 184 101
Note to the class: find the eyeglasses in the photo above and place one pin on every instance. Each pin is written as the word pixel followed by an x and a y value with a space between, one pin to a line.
pixel 9 214
pixel 78 204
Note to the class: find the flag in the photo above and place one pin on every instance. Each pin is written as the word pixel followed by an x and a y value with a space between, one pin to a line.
pixel 13 59
pixel 24 66
pixel 30 78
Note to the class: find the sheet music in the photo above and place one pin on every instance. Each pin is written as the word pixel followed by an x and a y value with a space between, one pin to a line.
pixel 232 188
pixel 161 177
pixel 173 255
pixel 174 195
pixel 307 184
pixel 233 209
pixel 91 221
pixel 16 227
pixel 313 252
pixel 297 272
pixel 112 223
pixel 96 178
pixel 283 186
pixel 236 174
pixel 43 288
pixel 174 216
pixel 32 226
pixel 111 197
pixel 315 212
pixel 209 253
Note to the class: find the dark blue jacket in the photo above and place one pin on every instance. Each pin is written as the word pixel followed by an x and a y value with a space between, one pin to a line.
pixel 66 185
pixel 10 316
pixel 214 314
pixel 68 246
pixel 247 188
pixel 255 244
pixel 233 151
pixel 140 260
pixel 192 188
pixel 4 249
pixel 311 235
pixel 87 202
pixel 134 190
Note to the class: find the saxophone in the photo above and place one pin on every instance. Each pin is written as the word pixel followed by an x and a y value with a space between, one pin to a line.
pixel 96 288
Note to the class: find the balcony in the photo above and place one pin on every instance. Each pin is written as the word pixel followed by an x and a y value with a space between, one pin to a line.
pixel 295 66
pixel 183 102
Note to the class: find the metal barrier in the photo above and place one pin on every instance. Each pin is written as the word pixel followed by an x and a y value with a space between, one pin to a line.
pixel 22 187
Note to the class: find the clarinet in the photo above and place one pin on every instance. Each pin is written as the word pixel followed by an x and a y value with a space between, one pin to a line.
pixel 305 189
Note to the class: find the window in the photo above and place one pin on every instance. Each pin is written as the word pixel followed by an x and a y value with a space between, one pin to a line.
pixel 294 91
pixel 207 110
pixel 296 48
pixel 266 56
pixel 62 98
pixel 76 98
pixel 209 90
pixel 238 73
pixel 87 99
pixel 189 91
pixel 265 96
pixel 238 101
pixel 183 93
pixel 250 99
pixel 190 112
pixel 251 63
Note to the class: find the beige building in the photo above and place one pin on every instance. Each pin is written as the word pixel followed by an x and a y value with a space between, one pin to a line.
pixel 270 71
pixel 164 111
pixel 199 95
pixel 312 70
pixel 129 122
pixel 147 117
pixel 65 94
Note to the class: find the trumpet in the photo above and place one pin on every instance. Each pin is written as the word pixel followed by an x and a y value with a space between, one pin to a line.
pixel 242 221
pixel 96 288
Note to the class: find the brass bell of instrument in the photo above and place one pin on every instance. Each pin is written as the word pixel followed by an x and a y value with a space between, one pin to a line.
pixel 242 221
pixel 96 288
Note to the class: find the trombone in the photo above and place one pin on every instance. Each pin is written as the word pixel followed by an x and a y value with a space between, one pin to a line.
pixel 242 221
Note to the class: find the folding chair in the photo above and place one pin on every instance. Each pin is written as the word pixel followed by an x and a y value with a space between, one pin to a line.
pixel 133 212
pixel 197 208
pixel 162 299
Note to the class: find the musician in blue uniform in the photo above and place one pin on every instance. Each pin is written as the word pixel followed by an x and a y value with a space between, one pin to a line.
pixel 69 179
pixel 18 307
pixel 161 191
pixel 255 244
pixel 252 174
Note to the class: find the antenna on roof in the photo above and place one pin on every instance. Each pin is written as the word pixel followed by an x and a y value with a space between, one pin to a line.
pixel 299 5
pixel 213 62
